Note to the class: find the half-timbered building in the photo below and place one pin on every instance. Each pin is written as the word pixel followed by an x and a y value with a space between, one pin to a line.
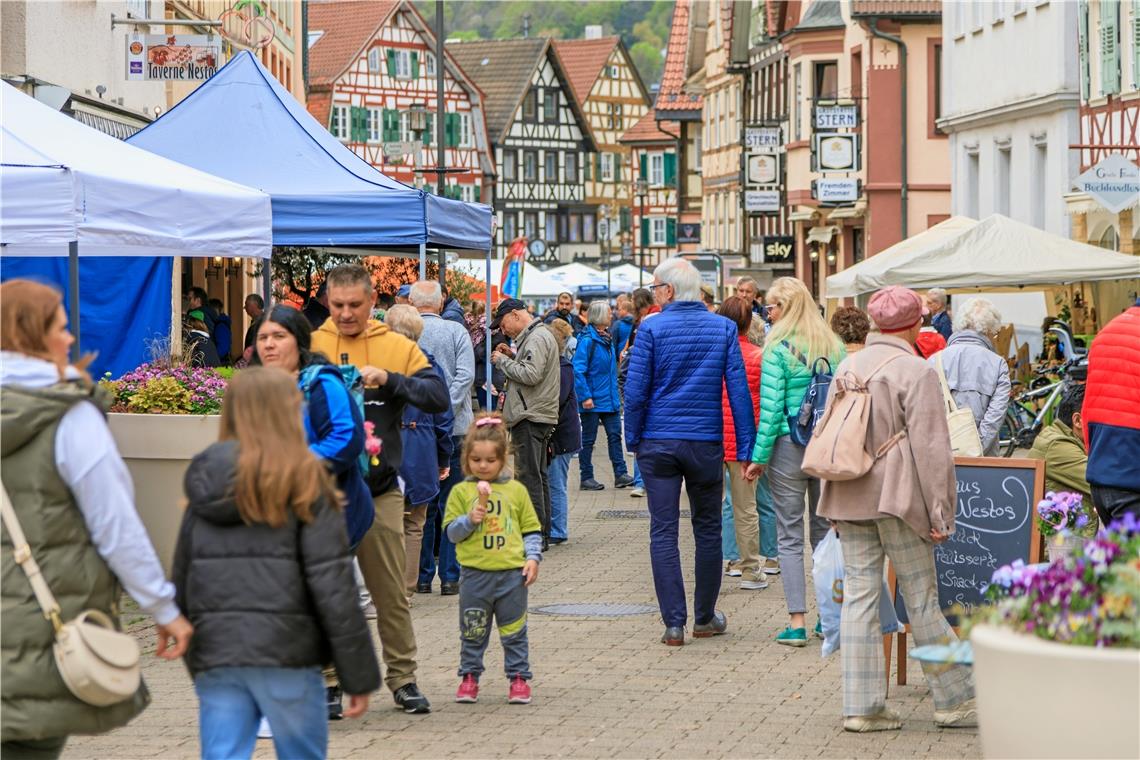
pixel 540 140
pixel 608 89
pixel 370 65
pixel 653 151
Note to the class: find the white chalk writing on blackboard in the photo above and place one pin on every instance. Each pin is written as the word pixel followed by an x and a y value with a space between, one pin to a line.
pixel 979 507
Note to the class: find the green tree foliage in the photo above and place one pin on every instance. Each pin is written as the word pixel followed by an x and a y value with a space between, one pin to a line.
pixel 642 24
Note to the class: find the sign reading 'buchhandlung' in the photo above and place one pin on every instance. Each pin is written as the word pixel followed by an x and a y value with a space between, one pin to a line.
pixel 1114 183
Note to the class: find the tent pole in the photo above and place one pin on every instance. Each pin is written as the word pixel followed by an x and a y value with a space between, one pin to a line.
pixel 73 294
pixel 423 261
pixel 487 324
pixel 442 268
pixel 267 282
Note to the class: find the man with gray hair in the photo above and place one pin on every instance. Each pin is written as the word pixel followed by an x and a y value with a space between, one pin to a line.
pixel 936 300
pixel 451 346
pixel 679 364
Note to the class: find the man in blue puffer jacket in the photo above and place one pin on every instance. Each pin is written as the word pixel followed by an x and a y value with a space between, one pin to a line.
pixel 674 425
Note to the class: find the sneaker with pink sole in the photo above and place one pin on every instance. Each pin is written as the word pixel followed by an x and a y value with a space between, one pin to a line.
pixel 520 691
pixel 468 692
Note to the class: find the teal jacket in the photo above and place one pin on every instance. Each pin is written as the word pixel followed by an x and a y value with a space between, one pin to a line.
pixel 783 381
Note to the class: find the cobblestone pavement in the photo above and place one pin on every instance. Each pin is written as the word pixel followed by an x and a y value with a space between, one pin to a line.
pixel 603 688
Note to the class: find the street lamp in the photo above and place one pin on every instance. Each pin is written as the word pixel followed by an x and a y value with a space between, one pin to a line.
pixel 417 119
pixel 604 231
pixel 641 189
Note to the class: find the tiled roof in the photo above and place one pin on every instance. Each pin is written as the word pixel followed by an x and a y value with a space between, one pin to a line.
pixel 648 129
pixel 583 61
pixel 502 69
pixel 346 28
pixel 822 14
pixel 892 8
pixel 672 95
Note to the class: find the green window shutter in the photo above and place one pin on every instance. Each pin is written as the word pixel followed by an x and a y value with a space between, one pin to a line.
pixel 588 169
pixel 644 232
pixel 1109 47
pixel 624 216
pixel 598 166
pixel 358 121
pixel 670 232
pixel 391 125
pixel 477 189
pixel 391 62
pixel 415 65
pixel 617 167
pixel 644 166
pixel 451 130
pixel 429 129
pixel 1083 46
pixel 670 169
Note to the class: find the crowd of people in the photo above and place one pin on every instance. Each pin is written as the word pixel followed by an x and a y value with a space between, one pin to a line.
pixel 361 459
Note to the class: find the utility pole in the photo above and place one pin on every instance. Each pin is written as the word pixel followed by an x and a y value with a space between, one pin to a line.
pixel 440 115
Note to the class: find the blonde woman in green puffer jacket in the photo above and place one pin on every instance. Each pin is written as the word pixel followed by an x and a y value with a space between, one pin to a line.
pixel 785 376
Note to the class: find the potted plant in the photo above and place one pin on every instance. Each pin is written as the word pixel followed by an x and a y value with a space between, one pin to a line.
pixel 162 414
pixel 1062 519
pixel 1058 637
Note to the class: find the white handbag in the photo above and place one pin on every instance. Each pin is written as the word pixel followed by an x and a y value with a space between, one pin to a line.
pixel 964 438
pixel 99 664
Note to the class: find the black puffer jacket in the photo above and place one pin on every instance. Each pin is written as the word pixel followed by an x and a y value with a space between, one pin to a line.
pixel 267 597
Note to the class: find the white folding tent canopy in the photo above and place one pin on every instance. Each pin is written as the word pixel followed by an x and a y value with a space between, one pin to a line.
pixel 993 254
pixel 69 190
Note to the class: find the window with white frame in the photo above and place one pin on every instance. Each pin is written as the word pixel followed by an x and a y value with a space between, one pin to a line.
pixel 657 230
pixel 138 8
pixel 467 193
pixel 403 64
pixel 375 124
pixel 375 60
pixel 338 122
pixel 607 172
pixel 465 136
pixel 429 66
pixel 406 134
pixel 656 169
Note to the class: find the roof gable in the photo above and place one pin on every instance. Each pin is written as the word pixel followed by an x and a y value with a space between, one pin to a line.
pixel 346 27
pixel 583 61
pixel 672 95
pixel 649 130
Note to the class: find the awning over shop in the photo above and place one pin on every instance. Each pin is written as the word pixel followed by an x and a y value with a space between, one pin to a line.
pixel 801 216
pixel 243 125
pixel 822 234
pixel 849 212
pixel 996 252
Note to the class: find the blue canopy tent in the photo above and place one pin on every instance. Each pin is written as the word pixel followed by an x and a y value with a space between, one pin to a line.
pixel 241 124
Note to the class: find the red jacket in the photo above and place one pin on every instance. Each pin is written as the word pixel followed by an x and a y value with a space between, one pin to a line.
pixel 929 342
pixel 753 358
pixel 1111 412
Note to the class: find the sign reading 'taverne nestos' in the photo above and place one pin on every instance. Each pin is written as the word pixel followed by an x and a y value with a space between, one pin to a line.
pixel 1114 183
pixel 172 57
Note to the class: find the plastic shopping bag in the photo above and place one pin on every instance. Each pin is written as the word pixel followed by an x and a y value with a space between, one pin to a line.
pixel 827 577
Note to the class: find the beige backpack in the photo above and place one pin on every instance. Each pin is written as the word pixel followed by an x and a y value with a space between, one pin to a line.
pixel 837 449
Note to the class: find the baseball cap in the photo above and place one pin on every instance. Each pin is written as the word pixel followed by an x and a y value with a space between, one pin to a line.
pixel 505 307
pixel 895 308
pixel 404 291
pixel 197 314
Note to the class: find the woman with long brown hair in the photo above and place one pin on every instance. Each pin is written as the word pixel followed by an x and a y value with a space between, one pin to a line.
pixel 74 500
pixel 263 569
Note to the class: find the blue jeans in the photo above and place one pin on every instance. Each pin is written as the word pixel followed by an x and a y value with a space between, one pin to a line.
pixel 611 421
pixel 664 464
pixel 558 471
pixel 231 702
pixel 728 529
pixel 638 481
pixel 767 517
pixel 434 535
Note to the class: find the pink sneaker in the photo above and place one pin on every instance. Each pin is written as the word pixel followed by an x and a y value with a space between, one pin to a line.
pixel 520 691
pixel 468 689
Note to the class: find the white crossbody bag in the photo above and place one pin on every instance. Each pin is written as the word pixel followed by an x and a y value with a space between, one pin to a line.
pixel 964 438
pixel 99 665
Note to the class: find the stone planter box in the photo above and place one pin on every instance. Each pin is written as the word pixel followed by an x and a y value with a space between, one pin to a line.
pixel 157 449
pixel 1038 699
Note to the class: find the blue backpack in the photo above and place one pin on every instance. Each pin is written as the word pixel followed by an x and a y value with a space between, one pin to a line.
pixel 814 403
pixel 354 384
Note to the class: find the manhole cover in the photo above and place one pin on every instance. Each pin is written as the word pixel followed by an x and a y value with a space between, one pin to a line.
pixel 595 610
pixel 629 514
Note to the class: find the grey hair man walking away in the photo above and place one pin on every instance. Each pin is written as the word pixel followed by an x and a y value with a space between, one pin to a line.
pixel 899 509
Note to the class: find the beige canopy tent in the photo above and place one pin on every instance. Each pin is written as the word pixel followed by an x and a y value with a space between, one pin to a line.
pixel 996 253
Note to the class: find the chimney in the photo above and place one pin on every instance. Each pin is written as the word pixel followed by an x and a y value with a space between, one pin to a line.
pixel 594 32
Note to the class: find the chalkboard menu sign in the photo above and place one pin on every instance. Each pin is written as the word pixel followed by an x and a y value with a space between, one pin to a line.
pixel 995 524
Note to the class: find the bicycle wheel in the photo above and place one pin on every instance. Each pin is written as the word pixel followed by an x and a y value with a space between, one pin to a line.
pixel 1009 432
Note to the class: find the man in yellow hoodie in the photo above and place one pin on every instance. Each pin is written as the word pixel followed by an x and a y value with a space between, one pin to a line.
pixel 396 373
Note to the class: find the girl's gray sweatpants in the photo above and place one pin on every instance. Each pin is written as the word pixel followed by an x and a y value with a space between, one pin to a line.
pixel 501 594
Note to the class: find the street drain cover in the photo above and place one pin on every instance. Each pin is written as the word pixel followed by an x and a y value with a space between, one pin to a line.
pixel 629 514
pixel 595 610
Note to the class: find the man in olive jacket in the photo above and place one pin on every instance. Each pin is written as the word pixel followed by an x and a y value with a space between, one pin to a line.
pixel 531 407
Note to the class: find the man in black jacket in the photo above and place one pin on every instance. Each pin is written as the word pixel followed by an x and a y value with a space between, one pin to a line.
pixel 396 373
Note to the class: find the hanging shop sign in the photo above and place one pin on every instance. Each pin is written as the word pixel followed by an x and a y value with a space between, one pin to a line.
pixel 763 169
pixel 762 201
pixel 836 191
pixel 777 249
pixel 834 152
pixel 829 117
pixel 1114 182
pixel 762 139
pixel 247 24
pixel 172 57
pixel 689 232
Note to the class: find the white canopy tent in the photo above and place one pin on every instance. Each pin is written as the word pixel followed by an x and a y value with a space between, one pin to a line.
pixel 993 254
pixel 69 190
pixel 549 283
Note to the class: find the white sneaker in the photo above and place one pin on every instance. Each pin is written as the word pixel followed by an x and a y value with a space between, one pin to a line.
pixel 753 581
pixel 637 493
pixel 962 715
pixel 884 720
pixel 263 730
pixel 732 570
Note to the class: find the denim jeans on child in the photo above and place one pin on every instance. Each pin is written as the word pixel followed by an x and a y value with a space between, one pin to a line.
pixel 231 702
pixel 499 595
pixel 558 471
pixel 728 527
